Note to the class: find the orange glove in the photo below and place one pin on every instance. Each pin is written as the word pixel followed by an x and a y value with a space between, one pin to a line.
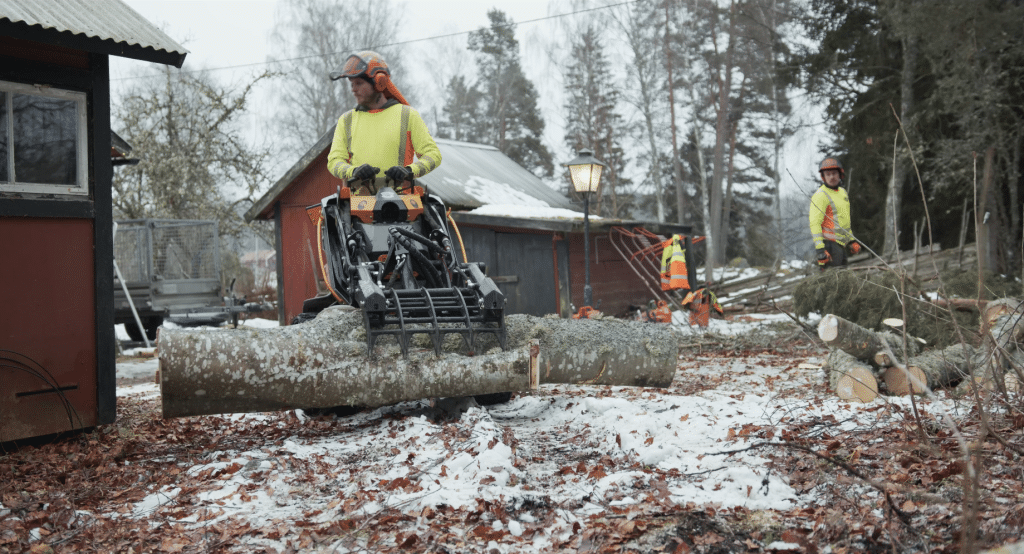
pixel 824 258
pixel 854 248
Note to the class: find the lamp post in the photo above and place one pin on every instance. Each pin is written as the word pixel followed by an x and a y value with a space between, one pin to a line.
pixel 585 172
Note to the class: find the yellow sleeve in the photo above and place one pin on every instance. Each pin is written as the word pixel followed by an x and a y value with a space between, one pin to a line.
pixel 340 156
pixel 819 205
pixel 428 155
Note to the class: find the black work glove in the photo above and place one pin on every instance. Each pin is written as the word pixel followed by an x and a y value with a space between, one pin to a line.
pixel 823 258
pixel 399 173
pixel 365 171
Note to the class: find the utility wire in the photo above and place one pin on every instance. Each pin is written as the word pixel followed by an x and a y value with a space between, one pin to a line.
pixel 375 47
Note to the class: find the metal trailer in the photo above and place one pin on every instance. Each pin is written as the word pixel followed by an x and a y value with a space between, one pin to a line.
pixel 171 269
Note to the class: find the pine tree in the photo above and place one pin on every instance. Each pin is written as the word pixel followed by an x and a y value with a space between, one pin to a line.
pixel 592 120
pixel 462 108
pixel 509 118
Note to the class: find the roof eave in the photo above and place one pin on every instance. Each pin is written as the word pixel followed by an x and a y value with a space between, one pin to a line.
pixel 567 225
pixel 262 206
pixel 67 39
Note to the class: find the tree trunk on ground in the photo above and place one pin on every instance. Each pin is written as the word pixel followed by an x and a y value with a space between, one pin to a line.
pixel 859 342
pixel 323 363
pixel 993 310
pixel 850 379
pixel 935 369
pixel 1002 355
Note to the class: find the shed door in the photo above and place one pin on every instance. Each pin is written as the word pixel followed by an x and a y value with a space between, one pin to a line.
pixel 525 273
pixel 521 264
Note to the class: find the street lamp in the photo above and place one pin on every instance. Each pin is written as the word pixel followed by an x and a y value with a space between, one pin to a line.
pixel 585 172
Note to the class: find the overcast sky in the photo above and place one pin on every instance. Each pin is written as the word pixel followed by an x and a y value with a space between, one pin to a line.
pixel 232 38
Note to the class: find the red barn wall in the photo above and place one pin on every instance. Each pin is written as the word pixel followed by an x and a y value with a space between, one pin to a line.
pixel 299 249
pixel 48 327
pixel 612 281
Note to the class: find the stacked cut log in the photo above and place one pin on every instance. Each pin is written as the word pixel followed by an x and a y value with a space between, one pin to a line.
pixel 860 357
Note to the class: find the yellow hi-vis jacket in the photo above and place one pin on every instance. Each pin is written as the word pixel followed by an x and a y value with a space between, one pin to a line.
pixel 382 138
pixel 830 216
pixel 673 264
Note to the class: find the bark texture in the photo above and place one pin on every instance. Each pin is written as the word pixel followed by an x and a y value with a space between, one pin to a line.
pixel 859 342
pixel 849 378
pixel 936 369
pixel 1002 354
pixel 323 363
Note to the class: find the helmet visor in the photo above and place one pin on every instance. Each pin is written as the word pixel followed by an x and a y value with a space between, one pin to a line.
pixel 354 67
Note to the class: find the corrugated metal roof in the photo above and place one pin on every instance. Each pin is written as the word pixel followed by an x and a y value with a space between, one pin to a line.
pixel 103 20
pixel 470 175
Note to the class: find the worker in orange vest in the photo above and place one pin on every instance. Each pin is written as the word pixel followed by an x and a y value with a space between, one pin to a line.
pixel 830 217
pixel 673 264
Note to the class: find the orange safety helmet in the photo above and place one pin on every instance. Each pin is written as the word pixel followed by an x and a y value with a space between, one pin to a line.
pixel 830 163
pixel 372 67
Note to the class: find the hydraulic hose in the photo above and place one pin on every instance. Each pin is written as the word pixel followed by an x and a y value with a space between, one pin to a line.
pixel 428 270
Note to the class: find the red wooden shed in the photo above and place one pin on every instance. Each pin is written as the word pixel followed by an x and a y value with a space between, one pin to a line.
pixel 535 256
pixel 56 246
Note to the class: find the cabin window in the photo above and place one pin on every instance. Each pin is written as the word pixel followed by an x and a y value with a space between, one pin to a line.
pixel 42 140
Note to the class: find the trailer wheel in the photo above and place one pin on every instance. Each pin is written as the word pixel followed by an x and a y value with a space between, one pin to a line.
pixel 492 399
pixel 150 323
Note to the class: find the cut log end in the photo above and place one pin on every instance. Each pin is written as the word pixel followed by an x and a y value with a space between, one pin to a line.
pixel 858 385
pixel 828 328
pixel 899 383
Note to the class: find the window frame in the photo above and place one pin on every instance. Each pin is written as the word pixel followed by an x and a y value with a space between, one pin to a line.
pixel 81 188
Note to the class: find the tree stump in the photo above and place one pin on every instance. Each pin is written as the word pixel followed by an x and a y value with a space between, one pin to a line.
pixel 850 379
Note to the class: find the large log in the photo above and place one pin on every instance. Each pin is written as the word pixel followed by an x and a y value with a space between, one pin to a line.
pixel 859 342
pixel 323 363
pixel 850 379
pixel 934 369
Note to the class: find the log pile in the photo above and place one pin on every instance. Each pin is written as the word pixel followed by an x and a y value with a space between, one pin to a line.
pixel 862 363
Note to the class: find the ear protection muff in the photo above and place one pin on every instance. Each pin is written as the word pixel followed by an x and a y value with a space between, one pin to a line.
pixel 380 81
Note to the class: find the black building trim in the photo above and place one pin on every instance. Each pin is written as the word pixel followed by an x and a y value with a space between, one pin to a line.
pixel 100 189
pixel 22 30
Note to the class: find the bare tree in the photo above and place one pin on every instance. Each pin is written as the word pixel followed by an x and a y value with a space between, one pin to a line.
pixel 634 22
pixel 196 164
pixel 314 38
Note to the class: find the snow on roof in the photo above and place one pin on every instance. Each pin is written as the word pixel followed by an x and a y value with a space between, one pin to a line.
pixel 529 212
pixel 470 176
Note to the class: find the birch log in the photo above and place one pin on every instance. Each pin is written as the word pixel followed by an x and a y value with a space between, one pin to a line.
pixel 849 378
pixel 323 363
pixel 857 341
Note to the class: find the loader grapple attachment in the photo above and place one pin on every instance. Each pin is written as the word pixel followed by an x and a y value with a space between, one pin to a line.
pixel 433 312
pixel 391 255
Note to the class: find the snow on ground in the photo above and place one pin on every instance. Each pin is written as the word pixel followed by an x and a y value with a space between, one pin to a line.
pixel 573 451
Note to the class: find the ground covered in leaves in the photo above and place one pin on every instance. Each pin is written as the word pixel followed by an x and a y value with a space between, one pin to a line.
pixel 747 451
